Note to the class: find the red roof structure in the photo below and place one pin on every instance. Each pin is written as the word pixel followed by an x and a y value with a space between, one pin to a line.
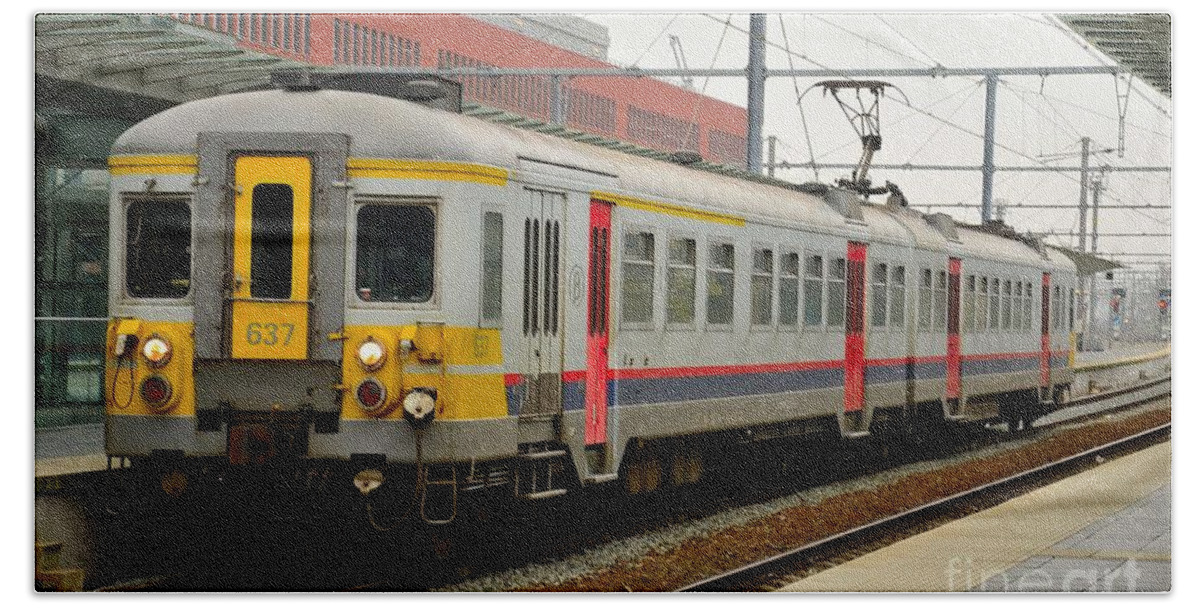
pixel 644 111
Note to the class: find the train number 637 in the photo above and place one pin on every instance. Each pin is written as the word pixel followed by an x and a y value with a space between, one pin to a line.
pixel 269 334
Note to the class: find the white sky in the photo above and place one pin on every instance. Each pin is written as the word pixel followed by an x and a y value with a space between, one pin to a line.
pixel 1033 118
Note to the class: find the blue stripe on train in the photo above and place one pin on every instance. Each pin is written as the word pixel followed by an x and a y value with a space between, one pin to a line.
pixel 638 391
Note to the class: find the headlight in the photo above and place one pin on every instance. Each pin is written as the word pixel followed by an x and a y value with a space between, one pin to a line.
pixel 157 351
pixel 371 395
pixel 419 406
pixel 156 391
pixel 371 354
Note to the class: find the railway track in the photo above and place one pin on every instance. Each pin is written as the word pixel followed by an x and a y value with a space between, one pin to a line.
pixel 1093 406
pixel 1085 409
pixel 770 572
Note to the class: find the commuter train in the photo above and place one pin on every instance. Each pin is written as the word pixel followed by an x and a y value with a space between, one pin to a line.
pixel 309 278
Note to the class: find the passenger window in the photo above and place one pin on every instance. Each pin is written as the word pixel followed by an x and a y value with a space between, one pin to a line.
pixel 681 281
pixel 1029 306
pixel 1006 316
pixel 158 248
pixel 762 286
pixel 835 312
pixel 789 289
pixel 1071 311
pixel 925 299
pixel 941 299
pixel 1056 308
pixel 879 275
pixel 994 305
pixel 981 307
pixel 720 284
pixel 637 278
pixel 897 297
pixel 814 271
pixel 968 306
pixel 394 253
pixel 491 296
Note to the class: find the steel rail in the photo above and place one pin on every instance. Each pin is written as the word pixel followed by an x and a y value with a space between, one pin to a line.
pixel 735 579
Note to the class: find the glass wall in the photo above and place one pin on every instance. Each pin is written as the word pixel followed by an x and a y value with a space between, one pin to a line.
pixel 76 127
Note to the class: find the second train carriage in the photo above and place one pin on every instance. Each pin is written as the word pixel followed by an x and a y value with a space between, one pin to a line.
pixel 326 277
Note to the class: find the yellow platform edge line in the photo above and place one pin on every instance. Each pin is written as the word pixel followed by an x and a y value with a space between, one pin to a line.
pixel 1166 352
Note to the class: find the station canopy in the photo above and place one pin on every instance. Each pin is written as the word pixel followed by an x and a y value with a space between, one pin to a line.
pixel 1139 42
pixel 1086 263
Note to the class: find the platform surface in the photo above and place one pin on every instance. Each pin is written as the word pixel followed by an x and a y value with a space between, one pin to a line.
pixel 1119 351
pixel 1106 529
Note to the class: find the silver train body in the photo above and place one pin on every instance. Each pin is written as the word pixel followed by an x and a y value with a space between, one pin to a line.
pixel 487 298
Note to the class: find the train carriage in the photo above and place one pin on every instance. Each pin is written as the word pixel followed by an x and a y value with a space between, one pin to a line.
pixel 330 278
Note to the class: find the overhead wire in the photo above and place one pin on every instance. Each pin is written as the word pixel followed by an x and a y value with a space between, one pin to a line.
pixel 870 41
pixel 799 96
pixel 704 87
pixel 1011 85
pixel 655 41
pixel 909 41
pixel 939 129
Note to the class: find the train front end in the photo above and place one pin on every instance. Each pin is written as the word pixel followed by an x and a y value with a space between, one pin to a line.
pixel 276 299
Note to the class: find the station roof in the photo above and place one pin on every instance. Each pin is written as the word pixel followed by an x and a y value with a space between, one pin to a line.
pixel 148 55
pixel 1139 42
pixel 1087 263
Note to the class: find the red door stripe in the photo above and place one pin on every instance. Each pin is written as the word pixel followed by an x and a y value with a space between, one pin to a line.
pixel 856 347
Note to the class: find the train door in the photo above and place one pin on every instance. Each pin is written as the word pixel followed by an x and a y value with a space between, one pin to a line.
pixel 855 352
pixel 1044 358
pixel 270 300
pixel 596 377
pixel 540 319
pixel 953 338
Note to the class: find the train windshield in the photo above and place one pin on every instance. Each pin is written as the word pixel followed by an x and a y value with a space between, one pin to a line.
pixel 394 253
pixel 158 248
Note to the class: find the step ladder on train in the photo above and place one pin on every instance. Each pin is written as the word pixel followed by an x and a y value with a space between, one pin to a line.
pixel 538 470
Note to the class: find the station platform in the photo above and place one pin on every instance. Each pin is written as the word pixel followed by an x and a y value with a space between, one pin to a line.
pixel 1107 529
pixel 1122 353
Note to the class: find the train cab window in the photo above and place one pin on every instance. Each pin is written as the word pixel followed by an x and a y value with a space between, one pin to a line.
pixel 896 288
pixel 835 310
pixel 720 284
pixel 394 253
pixel 681 281
pixel 940 299
pixel 158 248
pixel 762 286
pixel 968 306
pixel 271 220
pixel 789 289
pixel 814 272
pixel 491 293
pixel 637 278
